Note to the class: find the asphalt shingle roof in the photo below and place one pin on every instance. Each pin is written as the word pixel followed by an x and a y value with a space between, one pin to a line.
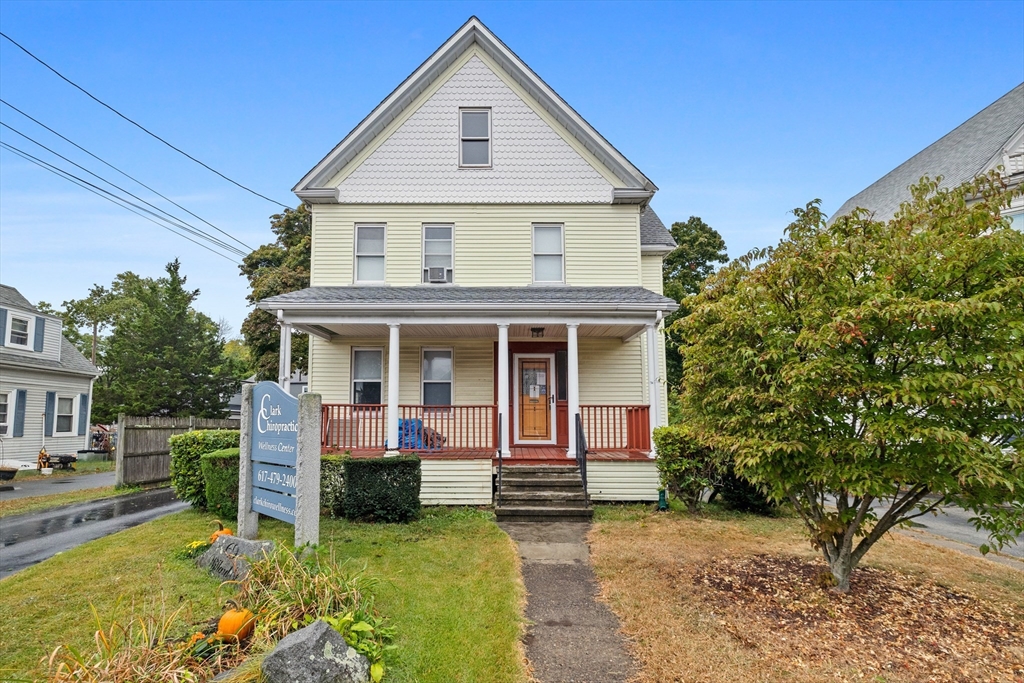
pixel 393 297
pixel 71 360
pixel 958 157
pixel 652 231
pixel 11 297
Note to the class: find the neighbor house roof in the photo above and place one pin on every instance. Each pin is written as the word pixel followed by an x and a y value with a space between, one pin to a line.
pixel 12 298
pixel 971 149
pixel 653 232
pixel 71 360
pixel 635 186
pixel 471 298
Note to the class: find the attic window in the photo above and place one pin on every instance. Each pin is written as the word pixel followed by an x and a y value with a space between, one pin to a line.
pixel 475 138
pixel 19 332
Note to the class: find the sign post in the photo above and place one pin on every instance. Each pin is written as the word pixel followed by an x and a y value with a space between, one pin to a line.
pixel 279 461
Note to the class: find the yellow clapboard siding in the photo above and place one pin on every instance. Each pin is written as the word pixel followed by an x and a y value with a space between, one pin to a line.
pixel 611 372
pixel 456 482
pixel 632 480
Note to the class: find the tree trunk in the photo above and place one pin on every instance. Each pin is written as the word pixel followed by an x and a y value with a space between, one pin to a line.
pixel 842 566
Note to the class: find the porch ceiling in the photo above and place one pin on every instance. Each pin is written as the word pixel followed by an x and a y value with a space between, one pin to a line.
pixel 551 331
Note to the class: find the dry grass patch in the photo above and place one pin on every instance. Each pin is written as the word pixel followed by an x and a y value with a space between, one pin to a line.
pixel 734 598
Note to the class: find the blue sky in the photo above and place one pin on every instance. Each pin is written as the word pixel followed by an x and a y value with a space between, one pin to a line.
pixel 737 111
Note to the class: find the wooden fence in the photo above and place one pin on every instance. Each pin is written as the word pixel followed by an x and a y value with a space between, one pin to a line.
pixel 143 448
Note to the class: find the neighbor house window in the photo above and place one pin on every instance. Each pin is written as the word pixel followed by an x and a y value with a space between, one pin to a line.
pixel 65 415
pixel 18 335
pixel 475 137
pixel 6 412
pixel 548 253
pixel 437 377
pixel 367 376
pixel 437 253
pixel 370 253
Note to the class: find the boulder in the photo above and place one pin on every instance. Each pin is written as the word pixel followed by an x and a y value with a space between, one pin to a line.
pixel 315 654
pixel 228 557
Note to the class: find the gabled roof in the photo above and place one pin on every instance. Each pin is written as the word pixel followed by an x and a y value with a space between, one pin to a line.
pixel 971 149
pixel 653 232
pixel 635 186
pixel 71 361
pixel 10 297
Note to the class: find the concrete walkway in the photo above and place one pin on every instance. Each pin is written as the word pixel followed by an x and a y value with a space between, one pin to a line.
pixel 573 638
pixel 45 486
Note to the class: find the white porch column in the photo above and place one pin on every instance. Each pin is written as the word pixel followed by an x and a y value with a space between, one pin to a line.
pixel 284 356
pixel 503 397
pixel 654 396
pixel 393 387
pixel 573 358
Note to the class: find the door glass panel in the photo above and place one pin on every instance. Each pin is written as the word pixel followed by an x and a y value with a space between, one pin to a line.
pixel 562 375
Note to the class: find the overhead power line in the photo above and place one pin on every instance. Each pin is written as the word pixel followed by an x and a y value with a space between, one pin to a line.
pixel 109 196
pixel 139 125
pixel 126 175
pixel 188 227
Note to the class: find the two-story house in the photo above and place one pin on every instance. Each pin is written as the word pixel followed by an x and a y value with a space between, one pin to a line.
pixel 45 384
pixel 486 282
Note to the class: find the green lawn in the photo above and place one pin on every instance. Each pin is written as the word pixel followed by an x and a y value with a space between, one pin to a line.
pixel 20 506
pixel 83 467
pixel 449 583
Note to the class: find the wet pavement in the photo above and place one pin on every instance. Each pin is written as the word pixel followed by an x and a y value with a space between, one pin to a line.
pixel 45 486
pixel 31 538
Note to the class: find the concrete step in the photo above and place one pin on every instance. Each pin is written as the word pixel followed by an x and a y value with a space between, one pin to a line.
pixel 543 499
pixel 541 469
pixel 525 513
pixel 558 483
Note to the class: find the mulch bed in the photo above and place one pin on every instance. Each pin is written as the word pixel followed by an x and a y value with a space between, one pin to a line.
pixel 888 623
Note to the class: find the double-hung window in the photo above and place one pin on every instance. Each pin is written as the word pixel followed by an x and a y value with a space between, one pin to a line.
pixel 437 253
pixel 65 416
pixel 18 335
pixel 370 253
pixel 6 412
pixel 548 254
pixel 475 138
pixel 437 377
pixel 367 376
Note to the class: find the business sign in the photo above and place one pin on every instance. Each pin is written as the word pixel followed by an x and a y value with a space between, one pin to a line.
pixel 275 442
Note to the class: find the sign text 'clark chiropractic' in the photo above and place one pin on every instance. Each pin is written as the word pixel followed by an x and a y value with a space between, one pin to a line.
pixel 274 437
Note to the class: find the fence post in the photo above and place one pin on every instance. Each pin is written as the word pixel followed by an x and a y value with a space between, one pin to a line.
pixel 307 471
pixel 119 452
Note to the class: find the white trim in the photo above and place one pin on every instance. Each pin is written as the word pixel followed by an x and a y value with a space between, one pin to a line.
pixel 573 378
pixel 451 382
pixel 534 254
pixel 8 424
pixel 75 398
pixel 352 372
pixel 356 254
pixel 423 251
pixel 503 397
pixel 516 391
pixel 489 138
pixel 29 344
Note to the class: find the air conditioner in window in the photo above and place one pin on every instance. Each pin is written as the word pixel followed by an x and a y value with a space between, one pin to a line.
pixel 436 275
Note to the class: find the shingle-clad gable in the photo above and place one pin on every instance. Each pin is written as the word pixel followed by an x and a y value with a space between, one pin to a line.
pixel 653 232
pixel 419 161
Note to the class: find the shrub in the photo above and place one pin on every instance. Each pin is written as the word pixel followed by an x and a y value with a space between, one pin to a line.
pixel 686 465
pixel 332 484
pixel 186 468
pixel 382 489
pixel 220 471
pixel 739 494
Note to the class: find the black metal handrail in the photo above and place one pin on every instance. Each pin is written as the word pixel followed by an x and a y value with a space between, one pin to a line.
pixel 499 459
pixel 581 454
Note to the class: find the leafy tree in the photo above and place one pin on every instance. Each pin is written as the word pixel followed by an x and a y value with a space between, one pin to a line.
pixel 274 269
pixel 163 357
pixel 69 328
pixel 871 372
pixel 235 358
pixel 683 270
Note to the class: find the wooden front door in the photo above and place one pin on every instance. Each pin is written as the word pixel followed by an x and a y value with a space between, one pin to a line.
pixel 534 398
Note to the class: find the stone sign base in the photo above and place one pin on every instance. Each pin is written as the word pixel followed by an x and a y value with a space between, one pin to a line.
pixel 228 557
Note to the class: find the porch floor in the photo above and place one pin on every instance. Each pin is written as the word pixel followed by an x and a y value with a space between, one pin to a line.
pixel 521 455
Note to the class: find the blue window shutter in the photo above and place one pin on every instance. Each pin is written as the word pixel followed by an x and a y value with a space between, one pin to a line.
pixel 51 408
pixel 40 333
pixel 83 414
pixel 3 326
pixel 19 413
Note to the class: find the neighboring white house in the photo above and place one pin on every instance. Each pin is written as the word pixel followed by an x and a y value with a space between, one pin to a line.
pixel 45 384
pixel 991 139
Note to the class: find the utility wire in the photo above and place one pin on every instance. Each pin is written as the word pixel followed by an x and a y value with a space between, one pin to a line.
pixel 178 222
pixel 123 203
pixel 139 125
pixel 108 164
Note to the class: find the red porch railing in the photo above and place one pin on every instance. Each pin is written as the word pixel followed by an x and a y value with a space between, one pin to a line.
pixel 611 427
pixel 348 427
pixel 451 429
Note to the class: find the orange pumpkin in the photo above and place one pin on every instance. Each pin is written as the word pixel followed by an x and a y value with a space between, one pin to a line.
pixel 221 531
pixel 236 623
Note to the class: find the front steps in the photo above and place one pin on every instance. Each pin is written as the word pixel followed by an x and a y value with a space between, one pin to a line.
pixel 542 493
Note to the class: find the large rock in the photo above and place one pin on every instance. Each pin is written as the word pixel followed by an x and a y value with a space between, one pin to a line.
pixel 315 654
pixel 228 557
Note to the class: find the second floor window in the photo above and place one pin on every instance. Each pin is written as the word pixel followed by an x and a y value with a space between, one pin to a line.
pixel 548 252
pixel 437 253
pixel 19 332
pixel 370 253
pixel 475 137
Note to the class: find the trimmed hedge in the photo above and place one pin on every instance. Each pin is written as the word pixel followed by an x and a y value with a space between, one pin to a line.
pixel 220 471
pixel 382 489
pixel 332 484
pixel 186 468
